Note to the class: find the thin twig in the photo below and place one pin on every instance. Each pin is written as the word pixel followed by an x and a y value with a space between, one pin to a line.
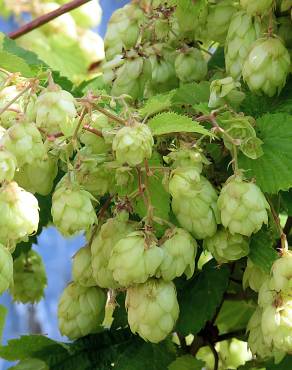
pixel 216 356
pixel 112 116
pixel 93 130
pixel 46 18
pixel 84 111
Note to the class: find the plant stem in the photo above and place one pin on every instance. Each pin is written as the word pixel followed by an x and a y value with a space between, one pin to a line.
pixel 93 130
pixel 112 116
pixel 84 111
pixel 46 18
pixel 216 356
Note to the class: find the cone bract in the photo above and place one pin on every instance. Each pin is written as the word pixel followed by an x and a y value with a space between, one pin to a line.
pixel 259 7
pixel 82 269
pixel 191 66
pixel 225 91
pixel 281 273
pixel 253 276
pixel 7 165
pixel 6 269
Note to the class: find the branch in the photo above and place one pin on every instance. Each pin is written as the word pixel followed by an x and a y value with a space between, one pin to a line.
pixel 233 334
pixel 216 356
pixel 43 19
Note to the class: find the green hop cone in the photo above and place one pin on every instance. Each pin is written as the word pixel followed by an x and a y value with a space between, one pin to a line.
pixel 19 213
pixel 29 277
pixel 281 272
pixel 113 230
pixel 72 209
pixel 259 7
pixel 194 202
pixel 225 91
pixel 55 111
pixel 7 165
pixel 190 65
pixel 253 276
pixel 180 251
pixel 242 32
pixel 38 176
pixel 133 144
pixel 80 310
pixel 187 158
pixel 227 247
pixel 266 67
pixel 82 269
pixel 218 20
pixel 6 269
pixel 135 258
pixel 25 142
pixel 152 309
pixel 243 206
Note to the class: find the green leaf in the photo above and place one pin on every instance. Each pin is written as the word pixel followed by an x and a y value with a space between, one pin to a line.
pixel 30 364
pixel 200 297
pixel 286 200
pixel 262 252
pixel 3 313
pixel 157 103
pixel 186 362
pixel 218 59
pixel 13 63
pixel 273 170
pixel 286 364
pixel 192 93
pixel 120 314
pixel 166 123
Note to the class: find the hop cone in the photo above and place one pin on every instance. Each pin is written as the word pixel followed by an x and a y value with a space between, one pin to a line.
pixel 152 309
pixel 243 207
pixel 259 7
pixel 253 276
pixel 190 65
pixel 218 20
pixel 7 94
pixel 55 111
pixel 80 310
pixel 227 247
pixel 266 67
pixel 242 32
pixel 134 259
pixel 81 268
pixel 225 91
pixel 29 277
pixel 110 233
pixel 25 142
pixel 19 213
pixel 133 144
pixel 7 165
pixel 194 202
pixel 6 269
pixel 38 177
pixel 72 209
pixel 281 273
pixel 187 159
pixel 180 251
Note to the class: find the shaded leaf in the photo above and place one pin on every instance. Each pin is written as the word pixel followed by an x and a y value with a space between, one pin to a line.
pixel 157 103
pixel 192 93
pixel 186 362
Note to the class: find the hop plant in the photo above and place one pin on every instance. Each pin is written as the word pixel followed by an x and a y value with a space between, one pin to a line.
pixel 135 258
pixel 281 272
pixel 82 269
pixel 243 206
pixel 227 247
pixel 113 230
pixel 19 213
pixel 266 67
pixel 194 202
pixel 25 142
pixel 259 7
pixel 190 65
pixel 152 309
pixel 72 209
pixel 187 158
pixel 133 144
pixel 253 276
pixel 80 310
pixel 242 32
pixel 7 165
pixel 55 111
pixel 180 251
pixel 6 269
pixel 29 277
pixel 225 91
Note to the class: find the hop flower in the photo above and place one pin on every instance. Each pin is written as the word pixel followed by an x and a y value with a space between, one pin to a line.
pixel 80 310
pixel 152 309
pixel 55 111
pixel 6 269
pixel 25 142
pixel 113 230
pixel 7 165
pixel 187 159
pixel 29 277
pixel 226 247
pixel 259 7
pixel 242 32
pixel 38 176
pixel 267 66
pixel 194 202
pixel 133 144
pixel 253 276
pixel 243 206
pixel 225 91
pixel 180 251
pixel 19 213
pixel 82 269
pixel 7 94
pixel 135 258
pixel 281 273
pixel 72 209
pixel 190 65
